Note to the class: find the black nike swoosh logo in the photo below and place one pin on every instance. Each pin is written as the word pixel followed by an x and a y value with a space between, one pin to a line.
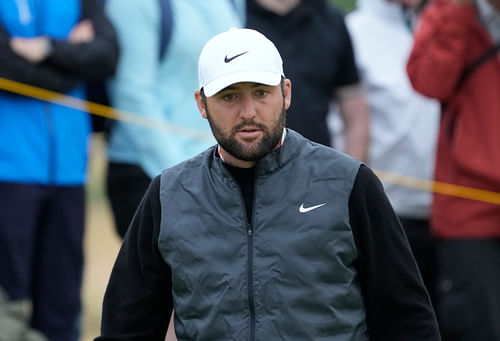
pixel 227 60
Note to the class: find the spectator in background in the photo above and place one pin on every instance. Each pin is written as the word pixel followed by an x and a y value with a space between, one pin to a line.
pixel 160 42
pixel 312 38
pixel 403 123
pixel 455 60
pixel 43 153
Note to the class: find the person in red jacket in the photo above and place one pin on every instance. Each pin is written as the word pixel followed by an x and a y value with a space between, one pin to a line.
pixel 455 60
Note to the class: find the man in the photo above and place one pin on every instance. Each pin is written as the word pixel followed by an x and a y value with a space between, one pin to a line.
pixel 403 123
pixel 455 61
pixel 55 45
pixel 160 42
pixel 312 37
pixel 267 235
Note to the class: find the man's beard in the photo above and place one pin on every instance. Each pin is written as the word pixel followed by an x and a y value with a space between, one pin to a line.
pixel 256 151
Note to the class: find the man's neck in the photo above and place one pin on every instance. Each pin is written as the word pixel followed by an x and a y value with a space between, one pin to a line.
pixel 280 7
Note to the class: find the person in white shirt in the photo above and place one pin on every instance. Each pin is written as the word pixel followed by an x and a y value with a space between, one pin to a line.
pixel 404 124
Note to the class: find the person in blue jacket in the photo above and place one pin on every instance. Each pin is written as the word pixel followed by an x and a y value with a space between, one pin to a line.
pixel 55 45
pixel 160 42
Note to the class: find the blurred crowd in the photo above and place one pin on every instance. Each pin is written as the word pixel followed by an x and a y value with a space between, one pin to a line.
pixel 409 87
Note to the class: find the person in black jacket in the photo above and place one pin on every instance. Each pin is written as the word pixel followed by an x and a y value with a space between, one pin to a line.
pixel 267 235
pixel 55 45
pixel 312 37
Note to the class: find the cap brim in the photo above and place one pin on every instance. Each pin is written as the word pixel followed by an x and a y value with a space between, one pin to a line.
pixel 262 77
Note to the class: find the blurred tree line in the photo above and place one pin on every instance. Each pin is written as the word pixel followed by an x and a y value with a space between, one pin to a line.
pixel 344 5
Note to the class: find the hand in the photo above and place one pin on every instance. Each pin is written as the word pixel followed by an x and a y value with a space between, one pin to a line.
pixel 82 33
pixel 34 50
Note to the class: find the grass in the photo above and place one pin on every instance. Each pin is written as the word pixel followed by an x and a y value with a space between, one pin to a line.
pixel 101 242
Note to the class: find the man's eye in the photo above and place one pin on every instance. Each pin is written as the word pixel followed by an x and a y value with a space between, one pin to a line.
pixel 261 93
pixel 229 97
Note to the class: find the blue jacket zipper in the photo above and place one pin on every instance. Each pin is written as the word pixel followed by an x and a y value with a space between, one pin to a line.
pixel 52 158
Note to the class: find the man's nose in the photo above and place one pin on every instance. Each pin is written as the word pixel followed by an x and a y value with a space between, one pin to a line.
pixel 247 108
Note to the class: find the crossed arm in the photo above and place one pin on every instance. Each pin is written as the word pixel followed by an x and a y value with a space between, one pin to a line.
pixel 90 52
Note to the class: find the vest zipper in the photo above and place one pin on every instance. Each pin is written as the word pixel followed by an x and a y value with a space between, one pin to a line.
pixel 251 303
pixel 249 231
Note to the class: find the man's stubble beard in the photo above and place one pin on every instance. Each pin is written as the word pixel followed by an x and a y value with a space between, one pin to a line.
pixel 270 139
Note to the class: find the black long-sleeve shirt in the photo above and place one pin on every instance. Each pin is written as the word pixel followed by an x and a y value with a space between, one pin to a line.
pixel 138 300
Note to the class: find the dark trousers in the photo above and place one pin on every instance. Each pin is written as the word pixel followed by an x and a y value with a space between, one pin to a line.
pixel 126 185
pixel 423 247
pixel 469 289
pixel 41 253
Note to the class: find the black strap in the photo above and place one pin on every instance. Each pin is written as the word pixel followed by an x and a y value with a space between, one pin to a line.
pixel 477 63
pixel 470 69
pixel 166 23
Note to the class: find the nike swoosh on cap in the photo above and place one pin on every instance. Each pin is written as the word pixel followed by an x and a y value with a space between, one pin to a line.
pixel 303 209
pixel 228 60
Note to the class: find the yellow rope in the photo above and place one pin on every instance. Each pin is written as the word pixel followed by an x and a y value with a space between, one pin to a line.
pixel 440 187
pixel 115 114
pixel 99 110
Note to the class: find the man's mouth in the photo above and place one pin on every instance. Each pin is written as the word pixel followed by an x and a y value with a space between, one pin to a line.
pixel 249 132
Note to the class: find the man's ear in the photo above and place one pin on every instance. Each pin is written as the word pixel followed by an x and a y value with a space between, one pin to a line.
pixel 287 92
pixel 200 103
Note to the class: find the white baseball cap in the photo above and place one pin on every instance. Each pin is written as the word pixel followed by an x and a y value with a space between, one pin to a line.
pixel 238 55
